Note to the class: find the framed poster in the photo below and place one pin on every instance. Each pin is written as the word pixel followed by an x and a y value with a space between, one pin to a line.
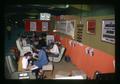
pixel 70 27
pixel 91 25
pixel 108 30
pixel 32 26
pixel 44 26
pixel 66 27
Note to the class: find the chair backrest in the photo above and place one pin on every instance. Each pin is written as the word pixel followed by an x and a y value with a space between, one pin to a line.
pixel 7 66
pixel 49 39
pixel 11 64
pixel 62 50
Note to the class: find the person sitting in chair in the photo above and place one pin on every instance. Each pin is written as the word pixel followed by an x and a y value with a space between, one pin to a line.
pixel 41 60
pixel 53 49
pixel 25 61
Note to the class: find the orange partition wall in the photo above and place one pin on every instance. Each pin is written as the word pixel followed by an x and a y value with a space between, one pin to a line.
pixel 101 61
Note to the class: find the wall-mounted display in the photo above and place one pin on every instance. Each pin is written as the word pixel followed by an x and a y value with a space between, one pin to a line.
pixel 108 30
pixel 91 25
pixel 32 26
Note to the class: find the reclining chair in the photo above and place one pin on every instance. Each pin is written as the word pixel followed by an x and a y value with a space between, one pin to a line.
pixel 57 59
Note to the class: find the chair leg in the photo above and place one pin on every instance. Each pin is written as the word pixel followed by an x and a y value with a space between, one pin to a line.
pixel 51 72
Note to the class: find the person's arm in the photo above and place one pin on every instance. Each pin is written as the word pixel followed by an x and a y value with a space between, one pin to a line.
pixel 55 49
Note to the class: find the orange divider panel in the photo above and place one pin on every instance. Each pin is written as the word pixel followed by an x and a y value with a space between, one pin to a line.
pixel 101 61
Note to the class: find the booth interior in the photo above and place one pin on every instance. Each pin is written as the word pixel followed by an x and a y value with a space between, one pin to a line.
pixel 67 45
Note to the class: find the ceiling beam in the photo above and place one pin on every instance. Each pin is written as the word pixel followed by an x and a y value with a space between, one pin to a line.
pixel 82 7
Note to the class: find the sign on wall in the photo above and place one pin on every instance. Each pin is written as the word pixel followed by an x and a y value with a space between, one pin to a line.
pixel 91 25
pixel 108 30
pixel 44 26
pixel 32 26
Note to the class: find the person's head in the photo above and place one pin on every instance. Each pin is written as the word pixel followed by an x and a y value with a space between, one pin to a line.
pixel 50 46
pixel 28 54
pixel 36 49
pixel 58 44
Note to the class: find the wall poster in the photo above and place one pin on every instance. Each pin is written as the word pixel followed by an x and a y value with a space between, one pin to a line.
pixel 44 26
pixel 70 28
pixel 91 25
pixel 66 27
pixel 32 26
pixel 108 30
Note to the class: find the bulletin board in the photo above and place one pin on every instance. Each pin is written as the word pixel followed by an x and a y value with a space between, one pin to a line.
pixel 108 30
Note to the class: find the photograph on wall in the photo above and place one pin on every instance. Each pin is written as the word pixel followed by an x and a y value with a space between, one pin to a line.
pixel 91 25
pixel 108 30
pixel 32 26
pixel 44 26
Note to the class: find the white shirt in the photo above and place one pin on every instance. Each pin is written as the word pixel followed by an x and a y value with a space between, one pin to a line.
pixel 23 49
pixel 55 49
pixel 25 62
pixel 24 42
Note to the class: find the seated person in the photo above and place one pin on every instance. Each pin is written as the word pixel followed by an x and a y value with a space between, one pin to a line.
pixel 53 49
pixel 36 65
pixel 25 61
pixel 20 43
pixel 41 56
pixel 42 42
pixel 41 60
pixel 22 55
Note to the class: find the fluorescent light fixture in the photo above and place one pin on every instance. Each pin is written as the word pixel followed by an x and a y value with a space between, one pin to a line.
pixel 54 30
pixel 16 22
pixel 67 6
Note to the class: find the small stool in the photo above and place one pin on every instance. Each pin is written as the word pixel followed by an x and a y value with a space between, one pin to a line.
pixel 48 67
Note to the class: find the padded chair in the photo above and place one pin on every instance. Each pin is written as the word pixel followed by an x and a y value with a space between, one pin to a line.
pixel 57 59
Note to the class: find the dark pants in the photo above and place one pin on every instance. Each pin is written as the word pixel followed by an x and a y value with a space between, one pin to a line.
pixel 36 71
pixel 49 54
